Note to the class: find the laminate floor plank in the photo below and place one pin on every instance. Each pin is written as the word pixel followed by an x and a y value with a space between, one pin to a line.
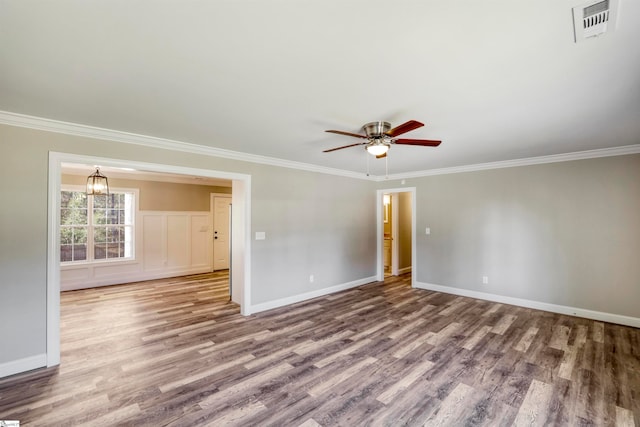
pixel 177 352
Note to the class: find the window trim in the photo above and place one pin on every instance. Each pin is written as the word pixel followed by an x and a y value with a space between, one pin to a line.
pixel 89 262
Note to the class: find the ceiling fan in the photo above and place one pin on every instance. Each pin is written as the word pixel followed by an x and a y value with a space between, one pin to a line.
pixel 379 137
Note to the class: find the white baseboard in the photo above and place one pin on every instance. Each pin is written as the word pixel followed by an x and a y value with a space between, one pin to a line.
pixel 23 365
pixel 554 308
pixel 308 295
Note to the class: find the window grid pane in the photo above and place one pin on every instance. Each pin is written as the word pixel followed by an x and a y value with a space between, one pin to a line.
pixel 73 243
pixel 111 233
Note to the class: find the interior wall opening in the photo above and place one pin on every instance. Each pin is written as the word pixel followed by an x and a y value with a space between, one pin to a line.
pixel 240 194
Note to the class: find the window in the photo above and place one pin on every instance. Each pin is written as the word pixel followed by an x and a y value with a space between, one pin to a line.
pixel 96 228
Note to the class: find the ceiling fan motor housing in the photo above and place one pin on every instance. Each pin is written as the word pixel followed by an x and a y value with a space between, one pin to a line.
pixel 376 129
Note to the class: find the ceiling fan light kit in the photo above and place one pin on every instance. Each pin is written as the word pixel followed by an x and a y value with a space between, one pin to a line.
pixel 377 148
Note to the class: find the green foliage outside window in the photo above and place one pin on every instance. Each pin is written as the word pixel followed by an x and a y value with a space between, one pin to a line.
pixel 110 234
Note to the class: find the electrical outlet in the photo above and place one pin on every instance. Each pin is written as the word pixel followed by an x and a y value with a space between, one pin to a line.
pixel 485 280
pixel 311 278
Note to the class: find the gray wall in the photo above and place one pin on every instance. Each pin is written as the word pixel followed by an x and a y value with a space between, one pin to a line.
pixel 23 251
pixel 563 233
pixel 315 222
pixel 332 235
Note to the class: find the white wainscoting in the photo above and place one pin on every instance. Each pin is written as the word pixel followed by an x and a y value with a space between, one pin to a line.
pixel 167 244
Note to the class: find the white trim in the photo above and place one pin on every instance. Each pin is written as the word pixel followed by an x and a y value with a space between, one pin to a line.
pixel 528 161
pixel 240 271
pixel 53 262
pixel 269 305
pixel 414 234
pixel 50 125
pixel 23 365
pixel 242 197
pixel 395 221
pixel 246 215
pixel 554 308
pixel 379 207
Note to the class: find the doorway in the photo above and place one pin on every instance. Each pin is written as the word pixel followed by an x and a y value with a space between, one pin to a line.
pixel 240 233
pixel 396 232
pixel 390 237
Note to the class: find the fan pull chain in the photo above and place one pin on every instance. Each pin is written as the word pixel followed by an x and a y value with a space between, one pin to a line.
pixel 367 155
pixel 386 166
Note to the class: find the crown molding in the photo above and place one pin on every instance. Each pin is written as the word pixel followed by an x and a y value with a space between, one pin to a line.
pixel 39 123
pixel 554 158
pixel 50 125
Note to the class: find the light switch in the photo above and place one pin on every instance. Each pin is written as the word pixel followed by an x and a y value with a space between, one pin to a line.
pixel 427 230
pixel 261 235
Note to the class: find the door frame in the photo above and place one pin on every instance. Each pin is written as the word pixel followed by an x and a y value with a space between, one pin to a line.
pixel 394 233
pixel 380 235
pixel 240 233
pixel 212 197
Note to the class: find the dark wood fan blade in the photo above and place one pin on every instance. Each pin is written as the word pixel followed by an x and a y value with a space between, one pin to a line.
pixel 345 146
pixel 339 132
pixel 423 142
pixel 404 128
pixel 381 156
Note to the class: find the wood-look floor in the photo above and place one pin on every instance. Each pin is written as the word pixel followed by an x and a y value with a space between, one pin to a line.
pixel 175 352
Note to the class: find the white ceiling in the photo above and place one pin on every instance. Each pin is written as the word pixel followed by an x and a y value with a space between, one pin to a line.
pixel 85 170
pixel 494 80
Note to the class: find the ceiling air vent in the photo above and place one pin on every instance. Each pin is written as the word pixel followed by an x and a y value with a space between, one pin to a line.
pixel 594 18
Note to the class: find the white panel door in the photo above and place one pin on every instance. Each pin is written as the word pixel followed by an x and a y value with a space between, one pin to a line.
pixel 221 229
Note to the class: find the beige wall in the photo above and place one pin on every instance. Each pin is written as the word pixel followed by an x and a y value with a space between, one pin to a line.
pixel 161 196
pixel 404 230
pixel 387 225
